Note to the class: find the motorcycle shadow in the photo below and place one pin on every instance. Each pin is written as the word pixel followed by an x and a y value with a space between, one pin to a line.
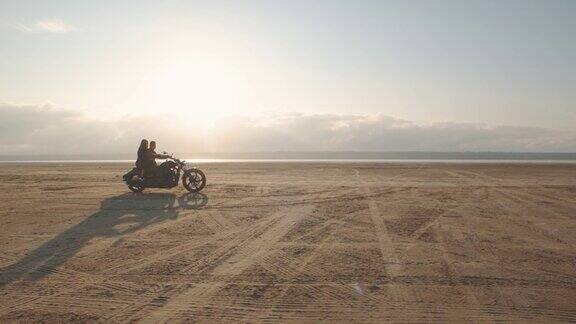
pixel 192 200
pixel 118 216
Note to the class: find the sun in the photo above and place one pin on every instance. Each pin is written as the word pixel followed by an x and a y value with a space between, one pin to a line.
pixel 207 78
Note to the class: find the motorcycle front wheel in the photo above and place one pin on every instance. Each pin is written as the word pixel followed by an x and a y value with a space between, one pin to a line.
pixel 194 180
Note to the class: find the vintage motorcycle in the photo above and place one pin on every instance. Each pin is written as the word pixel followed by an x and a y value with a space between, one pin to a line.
pixel 167 175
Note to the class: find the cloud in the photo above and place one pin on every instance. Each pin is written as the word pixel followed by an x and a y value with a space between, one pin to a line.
pixel 57 26
pixel 383 133
pixel 46 129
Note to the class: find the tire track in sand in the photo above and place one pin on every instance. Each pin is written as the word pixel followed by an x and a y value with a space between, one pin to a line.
pixel 395 266
pixel 494 184
pixel 99 280
pixel 234 239
pixel 306 266
pixel 247 255
pixel 518 201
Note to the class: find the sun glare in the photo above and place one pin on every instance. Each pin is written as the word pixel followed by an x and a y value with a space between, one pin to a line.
pixel 198 77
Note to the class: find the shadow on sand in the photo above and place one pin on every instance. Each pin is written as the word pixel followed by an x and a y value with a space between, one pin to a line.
pixel 118 215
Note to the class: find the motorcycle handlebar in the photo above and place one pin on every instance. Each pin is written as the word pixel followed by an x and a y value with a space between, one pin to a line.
pixel 176 159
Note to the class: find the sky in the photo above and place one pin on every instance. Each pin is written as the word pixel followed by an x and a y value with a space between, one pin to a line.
pixel 97 76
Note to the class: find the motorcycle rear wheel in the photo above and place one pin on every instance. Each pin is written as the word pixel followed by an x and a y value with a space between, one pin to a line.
pixel 135 185
pixel 194 180
pixel 136 188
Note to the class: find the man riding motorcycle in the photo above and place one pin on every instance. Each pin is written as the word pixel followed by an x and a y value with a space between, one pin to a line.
pixel 150 166
pixel 147 174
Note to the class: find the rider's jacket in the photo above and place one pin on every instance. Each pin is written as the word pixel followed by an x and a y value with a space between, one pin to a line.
pixel 140 161
pixel 151 156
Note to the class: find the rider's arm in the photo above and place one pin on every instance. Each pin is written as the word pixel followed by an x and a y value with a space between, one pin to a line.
pixel 161 156
pixel 153 155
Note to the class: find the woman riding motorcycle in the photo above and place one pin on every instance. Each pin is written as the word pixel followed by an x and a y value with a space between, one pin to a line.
pixel 140 161
pixel 167 175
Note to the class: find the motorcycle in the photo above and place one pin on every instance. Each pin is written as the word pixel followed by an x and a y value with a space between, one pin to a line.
pixel 167 175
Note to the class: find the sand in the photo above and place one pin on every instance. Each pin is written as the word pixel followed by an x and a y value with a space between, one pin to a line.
pixel 290 242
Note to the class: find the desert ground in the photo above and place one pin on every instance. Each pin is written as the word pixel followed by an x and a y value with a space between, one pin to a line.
pixel 290 242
